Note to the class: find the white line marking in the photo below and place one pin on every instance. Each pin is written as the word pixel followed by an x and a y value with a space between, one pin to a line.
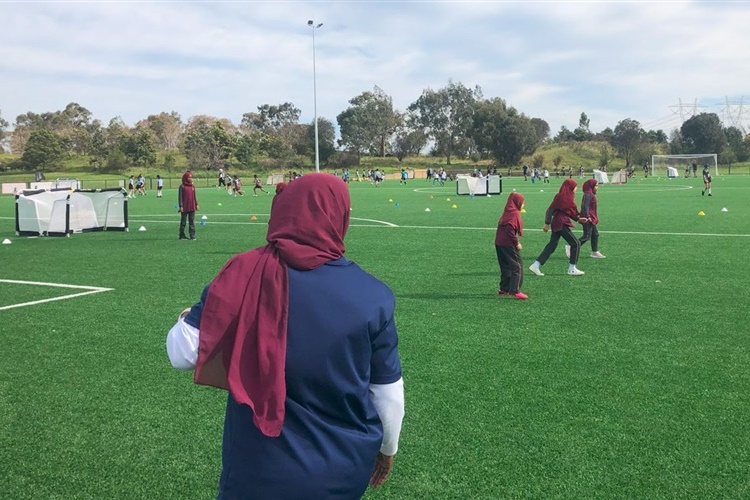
pixel 90 290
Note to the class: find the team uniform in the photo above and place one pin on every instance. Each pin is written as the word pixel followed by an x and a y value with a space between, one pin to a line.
pixel 706 180
pixel 159 186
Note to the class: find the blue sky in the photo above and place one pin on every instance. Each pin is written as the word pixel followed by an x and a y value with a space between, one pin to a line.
pixel 552 60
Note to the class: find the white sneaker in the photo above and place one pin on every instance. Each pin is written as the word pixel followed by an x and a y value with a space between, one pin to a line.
pixel 535 269
pixel 575 272
pixel 597 255
pixel 567 251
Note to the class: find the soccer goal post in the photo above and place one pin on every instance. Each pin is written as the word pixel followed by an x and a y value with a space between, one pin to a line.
pixel 689 164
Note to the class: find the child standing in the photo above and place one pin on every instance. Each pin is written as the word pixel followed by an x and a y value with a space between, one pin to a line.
pixel 188 204
pixel 508 248
pixel 159 186
pixel 706 180
pixel 559 214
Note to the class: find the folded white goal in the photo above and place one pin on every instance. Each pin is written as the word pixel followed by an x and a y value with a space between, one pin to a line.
pixel 61 212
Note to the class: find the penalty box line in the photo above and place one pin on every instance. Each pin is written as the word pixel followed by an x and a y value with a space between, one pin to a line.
pixel 89 290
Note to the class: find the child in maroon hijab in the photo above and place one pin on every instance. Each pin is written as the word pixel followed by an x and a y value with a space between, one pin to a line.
pixel 588 210
pixel 188 204
pixel 508 248
pixel 561 211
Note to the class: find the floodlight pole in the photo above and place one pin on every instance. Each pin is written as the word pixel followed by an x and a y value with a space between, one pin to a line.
pixel 314 27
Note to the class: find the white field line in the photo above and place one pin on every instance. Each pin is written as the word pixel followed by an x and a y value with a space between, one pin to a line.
pixel 89 291
pixel 380 223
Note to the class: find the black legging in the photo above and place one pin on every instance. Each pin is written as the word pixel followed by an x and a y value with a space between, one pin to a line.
pixel 190 218
pixel 567 235
pixel 590 232
pixel 511 269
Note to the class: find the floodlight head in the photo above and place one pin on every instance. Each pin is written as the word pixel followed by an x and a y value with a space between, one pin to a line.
pixel 310 22
pixel 318 26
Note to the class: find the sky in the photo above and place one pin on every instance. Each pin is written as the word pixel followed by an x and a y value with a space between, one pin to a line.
pixel 548 59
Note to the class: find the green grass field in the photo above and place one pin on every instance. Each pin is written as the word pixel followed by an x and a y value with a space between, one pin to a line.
pixel 629 382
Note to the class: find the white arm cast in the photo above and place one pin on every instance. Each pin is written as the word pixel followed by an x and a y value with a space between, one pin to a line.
pixel 389 403
pixel 182 345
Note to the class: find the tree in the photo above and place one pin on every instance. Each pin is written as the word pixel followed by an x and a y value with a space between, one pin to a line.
pixel 3 125
pixel 166 127
pixel 675 142
pixel 43 150
pixel 564 135
pixel 326 140
pixel 736 144
pixel 542 129
pixel 408 138
pixel 140 148
pixel 447 116
pixel 246 149
pixel 207 144
pixel 703 133
pixel 657 137
pixel 271 117
pixel 627 138
pixel 368 124
pixel 538 161
pixel 502 132
pixel 583 122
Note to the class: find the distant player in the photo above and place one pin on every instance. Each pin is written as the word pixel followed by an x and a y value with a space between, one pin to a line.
pixel 706 180
pixel 159 186
pixel 525 171
pixel 237 186
pixel 257 185
pixel 221 182
pixel 404 176
pixel 131 187
pixel 695 169
pixel 508 248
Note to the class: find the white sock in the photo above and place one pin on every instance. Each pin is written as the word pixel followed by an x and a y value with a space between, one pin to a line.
pixel 536 264
pixel 571 267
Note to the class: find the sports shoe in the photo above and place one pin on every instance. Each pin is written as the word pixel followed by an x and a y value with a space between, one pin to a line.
pixel 502 293
pixel 521 295
pixel 575 272
pixel 567 251
pixel 597 255
pixel 534 268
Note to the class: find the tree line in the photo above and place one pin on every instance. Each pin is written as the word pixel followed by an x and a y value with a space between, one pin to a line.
pixel 451 122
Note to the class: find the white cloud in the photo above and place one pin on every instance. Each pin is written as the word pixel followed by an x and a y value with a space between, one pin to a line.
pixel 553 60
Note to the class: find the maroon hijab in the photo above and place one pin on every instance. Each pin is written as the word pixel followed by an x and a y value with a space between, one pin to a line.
pixel 588 186
pixel 189 201
pixel 243 326
pixel 512 213
pixel 564 200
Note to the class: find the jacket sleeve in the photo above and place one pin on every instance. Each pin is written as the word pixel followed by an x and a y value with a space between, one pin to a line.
pixel 179 196
pixel 548 216
pixel 585 205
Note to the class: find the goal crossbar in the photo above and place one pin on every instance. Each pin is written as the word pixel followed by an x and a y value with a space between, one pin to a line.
pixel 683 161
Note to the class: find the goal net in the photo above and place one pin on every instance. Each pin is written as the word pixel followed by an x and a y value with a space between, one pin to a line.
pixel 478 186
pixel 619 177
pixel 684 165
pixel 65 211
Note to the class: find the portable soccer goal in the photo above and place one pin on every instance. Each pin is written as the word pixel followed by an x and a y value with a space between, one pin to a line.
pixel 660 164
pixel 619 177
pixel 61 212
pixel 478 186
pixel 601 176
pixel 274 179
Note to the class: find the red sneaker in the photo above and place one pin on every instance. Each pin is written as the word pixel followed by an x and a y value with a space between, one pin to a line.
pixel 521 295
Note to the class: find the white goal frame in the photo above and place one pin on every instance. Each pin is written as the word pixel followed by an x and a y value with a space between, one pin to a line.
pixel 679 162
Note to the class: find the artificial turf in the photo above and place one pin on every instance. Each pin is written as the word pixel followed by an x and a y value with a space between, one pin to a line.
pixel 628 382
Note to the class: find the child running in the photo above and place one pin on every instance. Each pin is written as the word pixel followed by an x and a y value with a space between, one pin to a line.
pixel 588 210
pixel 509 229
pixel 257 185
pixel 559 214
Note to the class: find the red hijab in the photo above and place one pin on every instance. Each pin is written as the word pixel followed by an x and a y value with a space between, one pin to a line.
pixel 588 186
pixel 512 213
pixel 189 201
pixel 564 200
pixel 243 326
